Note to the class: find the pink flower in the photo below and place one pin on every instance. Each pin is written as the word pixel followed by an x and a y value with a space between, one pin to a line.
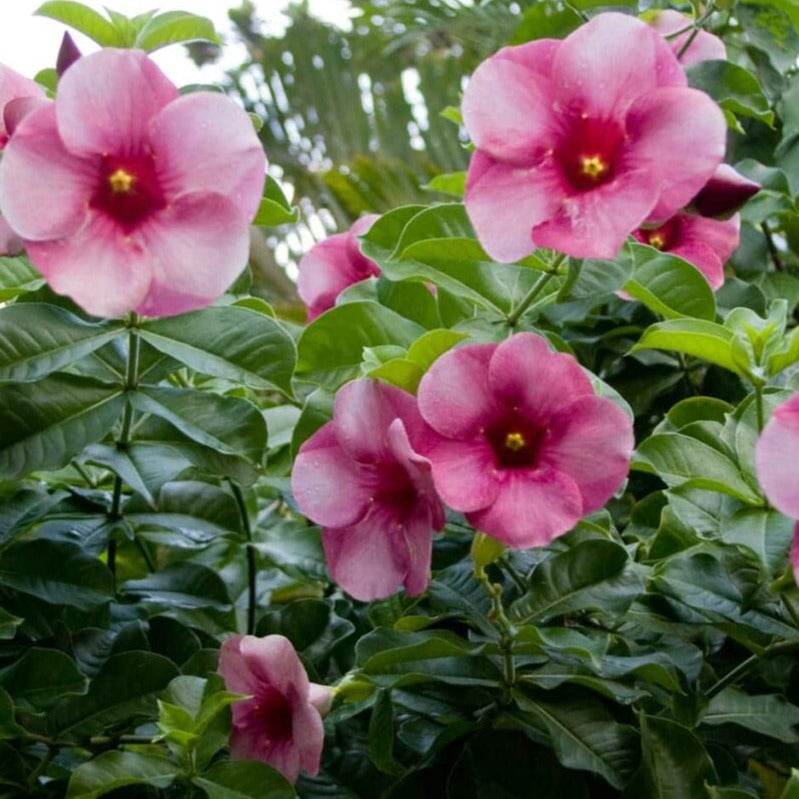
pixel 332 265
pixel 775 457
pixel 579 142
pixel 128 196
pixel 14 86
pixel 705 243
pixel 704 46
pixel 522 444
pixel 281 722
pixel 725 192
pixel 360 478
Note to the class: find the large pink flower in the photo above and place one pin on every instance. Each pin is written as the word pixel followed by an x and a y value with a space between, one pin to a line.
pixel 579 142
pixel 703 46
pixel 129 196
pixel 332 265
pixel 281 722
pixel 360 478
pixel 522 443
pixel 705 243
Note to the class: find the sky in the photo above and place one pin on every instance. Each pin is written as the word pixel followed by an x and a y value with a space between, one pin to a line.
pixel 29 43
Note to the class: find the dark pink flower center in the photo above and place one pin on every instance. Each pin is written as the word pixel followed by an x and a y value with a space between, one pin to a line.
pixel 588 151
pixel 516 441
pixel 396 490
pixel 128 189
pixel 664 237
pixel 272 714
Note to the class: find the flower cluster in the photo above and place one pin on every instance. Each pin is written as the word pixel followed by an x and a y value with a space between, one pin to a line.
pixel 511 434
pixel 128 196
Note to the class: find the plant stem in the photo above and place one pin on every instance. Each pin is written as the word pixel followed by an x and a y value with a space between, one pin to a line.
pixel 505 629
pixel 40 767
pixel 694 27
pixel 537 287
pixel 759 406
pixel 252 571
pixel 131 380
pixel 742 668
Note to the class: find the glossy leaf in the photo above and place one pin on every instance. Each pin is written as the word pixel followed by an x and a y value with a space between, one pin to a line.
pixel 244 779
pixel 39 678
pixel 17 276
pixel 172 27
pixel 83 19
pixel 768 714
pixel 116 769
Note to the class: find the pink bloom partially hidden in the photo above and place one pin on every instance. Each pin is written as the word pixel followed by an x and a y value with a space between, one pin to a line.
pixel 361 479
pixel 704 46
pixel 13 87
pixel 579 142
pixel 332 265
pixel 775 457
pixel 281 722
pixel 725 192
pixel 128 196
pixel 705 243
pixel 522 445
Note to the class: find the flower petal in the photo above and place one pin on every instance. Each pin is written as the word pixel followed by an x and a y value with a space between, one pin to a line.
pixel 363 411
pixel 370 559
pixel 525 373
pixel 328 487
pixel 603 66
pixel 775 456
pixel 273 661
pixel 591 440
pixel 465 473
pixel 198 245
pixel 708 244
pixel 725 192
pixel 204 142
pixel 504 203
pixel 454 396
pixel 507 109
pixel 324 272
pixel 419 545
pixel 12 86
pixel 308 736
pixel 704 46
pixel 234 669
pixel 106 100
pixel 44 190
pixel 533 506
pixel 660 120
pixel 104 271
pixel 10 242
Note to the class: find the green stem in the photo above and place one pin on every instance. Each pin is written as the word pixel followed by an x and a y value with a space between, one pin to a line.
pixel 759 406
pixel 131 380
pixel 252 570
pixel 694 27
pixel 742 668
pixel 537 287
pixel 505 629
pixel 40 767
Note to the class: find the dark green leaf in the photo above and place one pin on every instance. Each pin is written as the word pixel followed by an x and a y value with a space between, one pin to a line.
pixel 734 88
pixel 230 342
pixel 768 714
pixel 243 779
pixel 181 585
pixel 44 424
pixel 111 770
pixel 41 677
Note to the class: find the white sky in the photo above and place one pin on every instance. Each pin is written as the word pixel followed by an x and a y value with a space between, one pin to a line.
pixel 29 43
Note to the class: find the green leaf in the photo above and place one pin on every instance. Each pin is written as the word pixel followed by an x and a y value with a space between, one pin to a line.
pixel 436 654
pixel 331 348
pixel 595 278
pixel 227 341
pixel 24 508
pixel 181 585
pixel 13 769
pixel 57 572
pixel 275 209
pixel 172 27
pixel 123 692
pixel 675 764
pixel 83 19
pixel 589 576
pixel 770 30
pixel 229 425
pixel 584 735
pixel 39 678
pixel 449 183
pixel 791 790
pixel 734 88
pixel 115 769
pixel 8 625
pixel 8 727
pixel 381 734
pixel 44 424
pixel 680 460
pixel 17 276
pixel 768 714
pixel 36 339
pixel 702 339
pixel 243 779
pixel 767 533
pixel 669 286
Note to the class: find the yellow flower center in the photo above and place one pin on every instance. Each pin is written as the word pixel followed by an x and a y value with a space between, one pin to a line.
pixel 593 166
pixel 121 181
pixel 515 441
pixel 657 240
